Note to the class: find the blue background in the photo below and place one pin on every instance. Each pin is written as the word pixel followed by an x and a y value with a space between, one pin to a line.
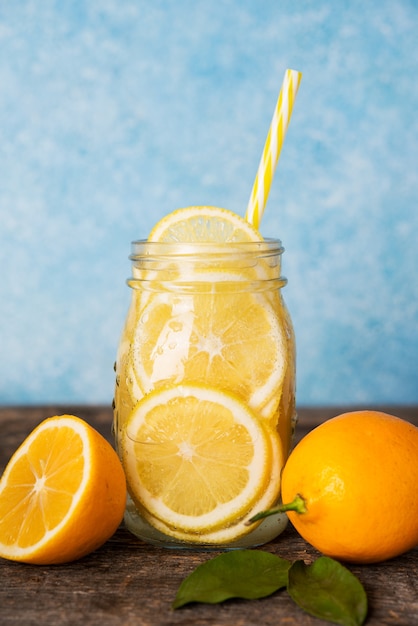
pixel 115 112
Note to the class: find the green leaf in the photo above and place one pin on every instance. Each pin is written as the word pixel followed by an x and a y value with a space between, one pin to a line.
pixel 248 574
pixel 329 591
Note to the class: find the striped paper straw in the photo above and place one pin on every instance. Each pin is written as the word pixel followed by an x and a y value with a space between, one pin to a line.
pixel 272 147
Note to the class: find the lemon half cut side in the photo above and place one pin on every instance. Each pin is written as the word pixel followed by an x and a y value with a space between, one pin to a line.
pixel 62 494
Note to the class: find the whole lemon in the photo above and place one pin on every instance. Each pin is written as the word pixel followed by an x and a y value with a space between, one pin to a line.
pixel 352 483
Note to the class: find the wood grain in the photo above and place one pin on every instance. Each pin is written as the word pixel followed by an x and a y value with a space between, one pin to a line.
pixel 127 582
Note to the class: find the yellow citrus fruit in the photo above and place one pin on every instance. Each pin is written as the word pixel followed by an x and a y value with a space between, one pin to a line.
pixel 126 392
pixel 355 481
pixel 62 494
pixel 236 528
pixel 181 234
pixel 195 457
pixel 199 338
pixel 205 224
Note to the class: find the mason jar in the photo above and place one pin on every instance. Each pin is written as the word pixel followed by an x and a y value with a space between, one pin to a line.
pixel 204 405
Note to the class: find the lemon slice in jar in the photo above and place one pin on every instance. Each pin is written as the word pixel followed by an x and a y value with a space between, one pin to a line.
pixel 236 529
pixel 181 230
pixel 200 338
pixel 196 458
pixel 204 224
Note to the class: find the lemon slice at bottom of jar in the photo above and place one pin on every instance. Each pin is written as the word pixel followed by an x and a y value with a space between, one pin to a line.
pixel 196 457
pixel 235 530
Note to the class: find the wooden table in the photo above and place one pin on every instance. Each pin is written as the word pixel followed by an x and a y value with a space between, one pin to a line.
pixel 127 582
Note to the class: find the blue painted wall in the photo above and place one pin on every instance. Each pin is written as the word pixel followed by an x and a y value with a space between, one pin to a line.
pixel 115 112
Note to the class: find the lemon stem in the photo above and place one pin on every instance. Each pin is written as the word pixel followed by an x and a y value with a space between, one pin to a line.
pixel 298 505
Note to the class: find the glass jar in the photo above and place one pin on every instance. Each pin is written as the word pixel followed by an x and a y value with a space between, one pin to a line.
pixel 204 406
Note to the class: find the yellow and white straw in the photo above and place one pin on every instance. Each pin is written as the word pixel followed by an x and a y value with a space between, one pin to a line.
pixel 272 147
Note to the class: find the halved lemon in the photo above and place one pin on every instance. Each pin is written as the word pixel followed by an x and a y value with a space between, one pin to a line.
pixel 62 494
pixel 196 458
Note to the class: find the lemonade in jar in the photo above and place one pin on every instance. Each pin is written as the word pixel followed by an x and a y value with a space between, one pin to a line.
pixel 204 406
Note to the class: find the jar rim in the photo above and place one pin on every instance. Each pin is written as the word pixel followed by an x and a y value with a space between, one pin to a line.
pixel 143 247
